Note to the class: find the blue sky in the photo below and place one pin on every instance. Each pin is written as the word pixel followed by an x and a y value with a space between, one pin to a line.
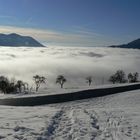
pixel 73 22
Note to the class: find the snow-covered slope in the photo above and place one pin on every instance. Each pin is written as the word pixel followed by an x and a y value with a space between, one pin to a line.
pixel 113 117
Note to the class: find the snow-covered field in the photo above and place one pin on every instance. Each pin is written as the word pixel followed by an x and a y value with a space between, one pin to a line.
pixel 113 117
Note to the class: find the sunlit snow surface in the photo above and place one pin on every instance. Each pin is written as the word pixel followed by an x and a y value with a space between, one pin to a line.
pixel 114 117
pixel 75 63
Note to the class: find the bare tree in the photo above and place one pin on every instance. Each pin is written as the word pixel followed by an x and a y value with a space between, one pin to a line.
pixel 4 84
pixel 26 86
pixel 133 77
pixel 61 80
pixel 19 85
pixel 89 80
pixel 38 81
pixel 118 77
pixel 112 79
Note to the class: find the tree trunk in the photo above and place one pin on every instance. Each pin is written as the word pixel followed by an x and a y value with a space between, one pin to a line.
pixel 61 85
pixel 37 89
pixel 89 83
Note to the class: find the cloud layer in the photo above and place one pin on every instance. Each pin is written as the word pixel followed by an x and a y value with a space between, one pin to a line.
pixel 75 63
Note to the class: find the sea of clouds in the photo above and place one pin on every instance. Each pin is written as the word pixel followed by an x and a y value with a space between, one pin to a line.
pixel 75 63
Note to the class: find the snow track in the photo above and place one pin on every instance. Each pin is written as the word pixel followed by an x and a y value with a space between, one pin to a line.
pixel 116 126
pixel 95 119
pixel 113 117
pixel 70 124
pixel 77 124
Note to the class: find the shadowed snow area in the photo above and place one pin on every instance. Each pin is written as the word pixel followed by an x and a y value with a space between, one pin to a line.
pixel 114 117
pixel 75 63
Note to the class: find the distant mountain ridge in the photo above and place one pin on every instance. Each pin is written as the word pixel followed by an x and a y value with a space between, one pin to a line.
pixel 134 44
pixel 16 40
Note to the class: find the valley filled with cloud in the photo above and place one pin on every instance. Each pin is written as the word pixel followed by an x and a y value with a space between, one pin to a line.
pixel 75 63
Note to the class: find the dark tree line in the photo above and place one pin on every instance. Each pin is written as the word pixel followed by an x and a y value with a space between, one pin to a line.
pixel 12 86
pixel 7 86
pixel 120 77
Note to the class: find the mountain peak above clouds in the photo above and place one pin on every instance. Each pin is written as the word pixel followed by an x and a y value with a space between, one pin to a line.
pixel 133 44
pixel 16 40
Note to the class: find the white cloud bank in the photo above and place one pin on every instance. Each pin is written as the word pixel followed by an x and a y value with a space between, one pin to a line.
pixel 75 63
